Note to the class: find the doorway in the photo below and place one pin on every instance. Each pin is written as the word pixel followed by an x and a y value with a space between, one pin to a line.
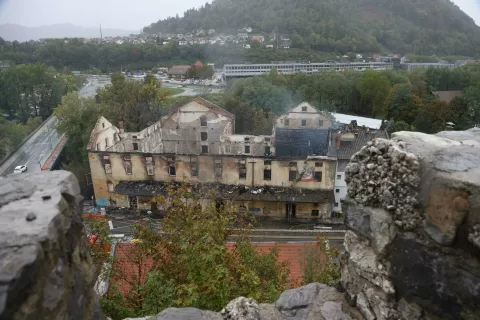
pixel 290 210
pixel 133 203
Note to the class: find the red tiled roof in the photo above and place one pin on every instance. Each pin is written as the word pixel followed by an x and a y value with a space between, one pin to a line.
pixel 131 267
pixel 293 253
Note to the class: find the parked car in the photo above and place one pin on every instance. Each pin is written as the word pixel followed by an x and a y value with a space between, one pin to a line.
pixel 20 169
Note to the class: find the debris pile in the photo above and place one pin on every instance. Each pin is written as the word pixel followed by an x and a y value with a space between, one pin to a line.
pixel 392 176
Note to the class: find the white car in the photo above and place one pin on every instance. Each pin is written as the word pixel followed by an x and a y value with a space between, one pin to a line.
pixel 20 169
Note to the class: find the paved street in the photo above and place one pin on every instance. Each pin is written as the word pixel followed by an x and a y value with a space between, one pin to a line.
pixel 34 152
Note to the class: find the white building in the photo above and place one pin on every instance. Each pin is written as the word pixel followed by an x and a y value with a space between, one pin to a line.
pixel 345 143
pixel 250 70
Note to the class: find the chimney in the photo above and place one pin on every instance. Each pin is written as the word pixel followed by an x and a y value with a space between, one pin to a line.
pixel 337 141
pixel 120 125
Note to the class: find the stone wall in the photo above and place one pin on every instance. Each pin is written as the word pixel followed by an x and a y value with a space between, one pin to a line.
pixel 46 271
pixel 414 218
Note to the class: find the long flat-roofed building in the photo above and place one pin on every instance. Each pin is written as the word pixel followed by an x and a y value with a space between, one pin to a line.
pixel 250 70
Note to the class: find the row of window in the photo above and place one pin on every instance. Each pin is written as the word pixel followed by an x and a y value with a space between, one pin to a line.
pixel 242 168
pixel 302 67
pixel 304 122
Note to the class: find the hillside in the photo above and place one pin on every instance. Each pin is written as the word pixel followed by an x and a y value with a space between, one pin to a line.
pixel 405 26
pixel 12 32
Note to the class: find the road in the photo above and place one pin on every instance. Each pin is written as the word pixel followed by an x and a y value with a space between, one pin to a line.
pixel 35 151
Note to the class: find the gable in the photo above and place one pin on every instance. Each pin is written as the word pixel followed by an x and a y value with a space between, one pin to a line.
pixel 300 107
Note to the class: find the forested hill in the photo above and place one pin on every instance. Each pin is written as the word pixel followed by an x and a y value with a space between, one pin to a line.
pixel 404 26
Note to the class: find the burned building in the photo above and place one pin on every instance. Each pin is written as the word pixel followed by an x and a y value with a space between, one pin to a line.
pixel 196 143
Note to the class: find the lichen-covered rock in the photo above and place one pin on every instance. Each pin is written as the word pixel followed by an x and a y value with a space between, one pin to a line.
pixel 45 268
pixel 241 309
pixel 385 175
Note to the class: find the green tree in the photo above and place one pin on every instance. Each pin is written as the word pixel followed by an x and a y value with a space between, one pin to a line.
pixel 401 104
pixel 374 88
pixel 319 263
pixel 192 266
pixel 77 117
pixel 135 103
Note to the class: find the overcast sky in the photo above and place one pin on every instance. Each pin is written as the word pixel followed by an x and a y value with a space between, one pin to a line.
pixel 120 14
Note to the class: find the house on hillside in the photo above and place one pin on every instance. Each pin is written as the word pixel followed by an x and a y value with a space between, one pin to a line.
pixel 241 36
pixel 178 72
pixel 258 38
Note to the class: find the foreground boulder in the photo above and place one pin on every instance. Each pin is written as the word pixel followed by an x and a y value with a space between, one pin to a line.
pixel 45 267
pixel 414 218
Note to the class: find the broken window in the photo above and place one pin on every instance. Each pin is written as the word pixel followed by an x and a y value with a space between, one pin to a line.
pixel 335 204
pixel 218 168
pixel 287 122
pixel 292 175
pixel 203 121
pixel 337 190
pixel 320 123
pixel 134 137
pixel 247 149
pixel 150 166
pixel 267 174
pixel 318 164
pixel 107 165
pixel 315 213
pixel 135 146
pixel 127 164
pixel 315 204
pixel 247 139
pixel 267 139
pixel 106 143
pixel 304 109
pixel 339 177
pixel 172 170
pixel 103 124
pixel 318 176
pixel 267 162
pixel 203 136
pixel 292 164
pixel 110 186
pixel 194 167
pixel 242 169
pixel 204 149
pixel 304 123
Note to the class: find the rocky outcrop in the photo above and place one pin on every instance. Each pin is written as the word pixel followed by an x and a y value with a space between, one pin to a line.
pixel 413 213
pixel 46 271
